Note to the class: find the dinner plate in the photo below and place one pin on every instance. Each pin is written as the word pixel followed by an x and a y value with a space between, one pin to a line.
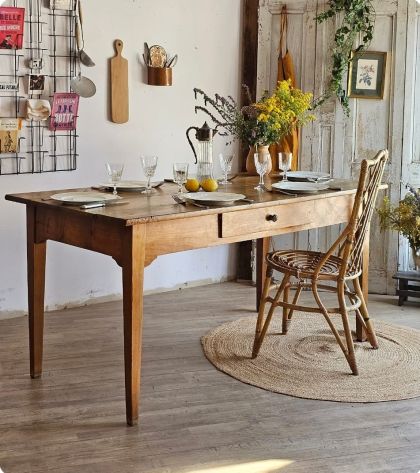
pixel 78 198
pixel 300 187
pixel 306 176
pixel 215 198
pixel 130 185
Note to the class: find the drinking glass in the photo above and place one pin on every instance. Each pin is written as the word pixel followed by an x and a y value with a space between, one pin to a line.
pixel 285 163
pixel 226 162
pixel 149 164
pixel 261 165
pixel 180 175
pixel 114 171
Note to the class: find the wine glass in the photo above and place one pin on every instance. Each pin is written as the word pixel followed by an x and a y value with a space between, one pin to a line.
pixel 180 175
pixel 114 171
pixel 149 164
pixel 226 161
pixel 261 165
pixel 285 163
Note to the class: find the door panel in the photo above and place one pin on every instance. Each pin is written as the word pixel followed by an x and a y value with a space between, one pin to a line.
pixel 411 145
pixel 335 143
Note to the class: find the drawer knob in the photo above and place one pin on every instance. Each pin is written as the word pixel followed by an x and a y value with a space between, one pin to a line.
pixel 271 218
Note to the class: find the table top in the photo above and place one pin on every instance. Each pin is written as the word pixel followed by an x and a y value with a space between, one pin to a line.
pixel 142 208
pixel 409 275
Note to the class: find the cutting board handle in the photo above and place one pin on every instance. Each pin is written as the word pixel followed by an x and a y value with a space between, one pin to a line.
pixel 118 46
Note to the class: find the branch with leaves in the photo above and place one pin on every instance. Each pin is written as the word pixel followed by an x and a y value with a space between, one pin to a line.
pixel 261 123
pixel 358 19
pixel 404 218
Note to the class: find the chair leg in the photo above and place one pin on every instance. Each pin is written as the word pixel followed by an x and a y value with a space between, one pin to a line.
pixel 263 301
pixel 260 332
pixel 351 357
pixel 360 318
pixel 331 325
pixel 285 309
pixel 370 330
pixel 287 316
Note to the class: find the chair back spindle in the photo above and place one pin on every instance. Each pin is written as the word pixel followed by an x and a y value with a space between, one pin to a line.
pixel 371 174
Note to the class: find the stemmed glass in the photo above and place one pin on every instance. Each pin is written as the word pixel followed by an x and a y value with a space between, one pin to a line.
pixel 114 171
pixel 149 164
pixel 285 163
pixel 180 175
pixel 226 162
pixel 261 165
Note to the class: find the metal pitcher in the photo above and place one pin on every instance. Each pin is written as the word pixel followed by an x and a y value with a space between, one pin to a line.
pixel 204 136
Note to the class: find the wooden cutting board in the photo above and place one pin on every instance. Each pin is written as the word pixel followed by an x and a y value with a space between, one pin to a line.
pixel 119 86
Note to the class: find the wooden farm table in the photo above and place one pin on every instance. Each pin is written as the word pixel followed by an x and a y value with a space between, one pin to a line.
pixel 149 226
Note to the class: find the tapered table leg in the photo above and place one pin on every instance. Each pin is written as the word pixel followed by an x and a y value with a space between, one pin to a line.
pixel 132 271
pixel 263 247
pixel 36 253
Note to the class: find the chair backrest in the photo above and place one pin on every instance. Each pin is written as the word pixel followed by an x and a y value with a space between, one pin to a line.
pixel 371 173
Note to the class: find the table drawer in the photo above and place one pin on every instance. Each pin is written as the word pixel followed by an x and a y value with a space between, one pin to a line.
pixel 267 219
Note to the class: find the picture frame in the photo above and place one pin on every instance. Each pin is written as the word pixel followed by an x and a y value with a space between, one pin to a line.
pixel 367 75
pixel 36 83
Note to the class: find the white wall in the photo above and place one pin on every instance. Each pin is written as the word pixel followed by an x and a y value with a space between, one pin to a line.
pixel 206 35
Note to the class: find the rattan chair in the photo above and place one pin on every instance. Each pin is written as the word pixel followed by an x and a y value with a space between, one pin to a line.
pixel 331 271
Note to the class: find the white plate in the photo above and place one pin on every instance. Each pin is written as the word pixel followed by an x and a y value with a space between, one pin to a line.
pixel 130 185
pixel 78 198
pixel 308 176
pixel 213 197
pixel 300 187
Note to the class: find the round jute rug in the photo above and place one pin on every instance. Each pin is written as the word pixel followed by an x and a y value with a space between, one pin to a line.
pixel 308 363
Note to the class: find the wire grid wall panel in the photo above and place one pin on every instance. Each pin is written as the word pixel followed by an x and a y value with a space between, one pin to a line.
pixel 49 37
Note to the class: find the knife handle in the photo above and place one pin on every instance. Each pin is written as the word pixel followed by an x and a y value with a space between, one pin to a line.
pixel 92 206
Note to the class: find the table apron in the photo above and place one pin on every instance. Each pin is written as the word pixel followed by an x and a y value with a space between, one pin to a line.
pixel 170 236
pixel 91 232
pixel 84 231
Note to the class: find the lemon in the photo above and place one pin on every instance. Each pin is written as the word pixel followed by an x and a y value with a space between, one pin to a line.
pixel 209 185
pixel 192 185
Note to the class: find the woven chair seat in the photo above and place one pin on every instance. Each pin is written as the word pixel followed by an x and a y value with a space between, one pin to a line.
pixel 302 264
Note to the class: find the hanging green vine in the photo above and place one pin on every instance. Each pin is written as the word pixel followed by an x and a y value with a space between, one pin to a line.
pixel 358 19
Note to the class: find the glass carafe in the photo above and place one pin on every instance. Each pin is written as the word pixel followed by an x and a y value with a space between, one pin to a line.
pixel 203 152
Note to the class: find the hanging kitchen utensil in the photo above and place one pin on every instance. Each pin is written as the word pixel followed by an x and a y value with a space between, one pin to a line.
pixel 119 86
pixel 158 56
pixel 168 59
pixel 172 62
pixel 83 86
pixel 80 39
pixel 79 84
pixel 146 55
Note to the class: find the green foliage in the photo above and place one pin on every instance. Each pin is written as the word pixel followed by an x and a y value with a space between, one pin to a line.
pixel 404 218
pixel 358 19
pixel 261 123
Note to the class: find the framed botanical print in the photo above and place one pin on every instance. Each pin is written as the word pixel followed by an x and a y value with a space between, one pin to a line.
pixel 367 75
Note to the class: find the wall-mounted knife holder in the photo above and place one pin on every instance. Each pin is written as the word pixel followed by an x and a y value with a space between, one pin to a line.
pixel 161 76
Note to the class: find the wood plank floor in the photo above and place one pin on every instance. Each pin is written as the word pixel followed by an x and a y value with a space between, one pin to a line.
pixel 194 419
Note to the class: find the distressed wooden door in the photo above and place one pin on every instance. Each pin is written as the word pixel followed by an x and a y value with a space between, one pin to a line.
pixel 335 143
pixel 411 142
